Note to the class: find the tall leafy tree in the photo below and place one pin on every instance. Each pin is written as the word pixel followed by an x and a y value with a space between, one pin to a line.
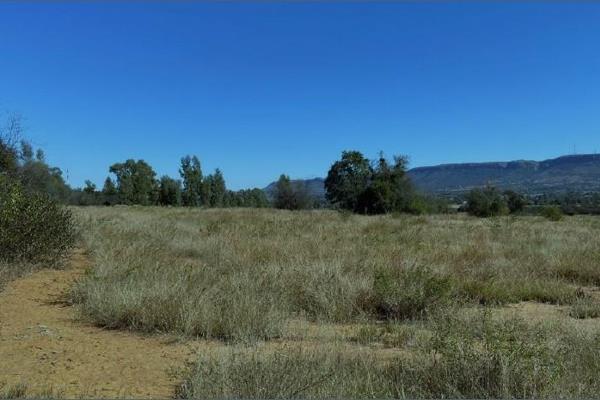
pixel 169 192
pixel 284 193
pixel 136 182
pixel 347 179
pixel 109 188
pixel 39 177
pixel 109 192
pixel 389 188
pixel 191 174
pixel 207 184
pixel 357 184
pixel 217 189
pixel 90 187
pixel 17 162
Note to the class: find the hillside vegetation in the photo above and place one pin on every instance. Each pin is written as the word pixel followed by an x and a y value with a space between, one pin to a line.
pixel 323 304
pixel 575 173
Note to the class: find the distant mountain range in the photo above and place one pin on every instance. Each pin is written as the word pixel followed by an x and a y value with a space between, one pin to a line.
pixel 579 173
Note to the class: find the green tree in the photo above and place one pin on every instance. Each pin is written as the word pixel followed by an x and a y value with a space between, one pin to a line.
pixel 109 188
pixel 486 202
pixel 109 192
pixel 347 180
pixel 10 134
pixel 39 177
pixel 136 183
pixel 26 151
pixel 17 163
pixel 191 174
pixel 284 193
pixel 169 192
pixel 516 202
pixel 206 189
pixel 90 188
pixel 217 189
pixel 357 184
pixel 389 189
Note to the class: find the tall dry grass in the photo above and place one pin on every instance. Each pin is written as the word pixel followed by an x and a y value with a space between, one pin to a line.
pixel 241 274
pixel 417 298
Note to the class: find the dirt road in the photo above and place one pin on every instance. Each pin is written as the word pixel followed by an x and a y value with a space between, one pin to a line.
pixel 43 345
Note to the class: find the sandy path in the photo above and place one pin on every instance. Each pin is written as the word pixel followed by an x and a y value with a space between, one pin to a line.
pixel 42 345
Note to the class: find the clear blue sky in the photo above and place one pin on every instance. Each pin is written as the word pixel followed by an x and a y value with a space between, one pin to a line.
pixel 262 89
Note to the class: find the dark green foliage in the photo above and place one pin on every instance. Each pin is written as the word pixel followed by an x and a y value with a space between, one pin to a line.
pixel 169 192
pixel 284 194
pixel 18 163
pixel 136 183
pixel 347 179
pixel 422 204
pixel 191 173
pixel 39 177
pixel 90 187
pixel 109 192
pixel 354 184
pixel 552 213
pixel 486 202
pixel 389 189
pixel 246 198
pixel 217 189
pixel 290 195
pixel 33 227
pixel 408 293
pixel 516 202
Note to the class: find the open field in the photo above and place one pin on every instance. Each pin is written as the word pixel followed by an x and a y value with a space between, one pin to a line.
pixel 322 304
pixel 319 304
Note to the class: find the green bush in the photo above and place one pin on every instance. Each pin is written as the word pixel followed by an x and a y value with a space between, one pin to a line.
pixel 33 227
pixel 486 202
pixel 552 213
pixel 408 293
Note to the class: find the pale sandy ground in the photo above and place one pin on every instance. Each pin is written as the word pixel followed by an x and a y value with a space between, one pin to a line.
pixel 43 346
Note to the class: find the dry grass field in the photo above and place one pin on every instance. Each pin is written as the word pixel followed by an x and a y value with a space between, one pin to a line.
pixel 322 304
pixel 246 303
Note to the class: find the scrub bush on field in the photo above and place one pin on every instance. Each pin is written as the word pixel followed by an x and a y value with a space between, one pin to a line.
pixel 552 213
pixel 33 227
pixel 408 293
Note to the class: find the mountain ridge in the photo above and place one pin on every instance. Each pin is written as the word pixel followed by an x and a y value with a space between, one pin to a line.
pixel 577 172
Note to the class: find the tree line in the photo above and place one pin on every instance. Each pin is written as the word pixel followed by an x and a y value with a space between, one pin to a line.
pixel 134 182
pixel 354 183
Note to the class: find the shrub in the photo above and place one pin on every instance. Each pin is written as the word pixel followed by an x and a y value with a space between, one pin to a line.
pixel 408 293
pixel 516 202
pixel 33 227
pixel 486 202
pixel 552 213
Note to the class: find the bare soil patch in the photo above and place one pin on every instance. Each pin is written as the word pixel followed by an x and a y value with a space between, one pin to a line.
pixel 43 345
